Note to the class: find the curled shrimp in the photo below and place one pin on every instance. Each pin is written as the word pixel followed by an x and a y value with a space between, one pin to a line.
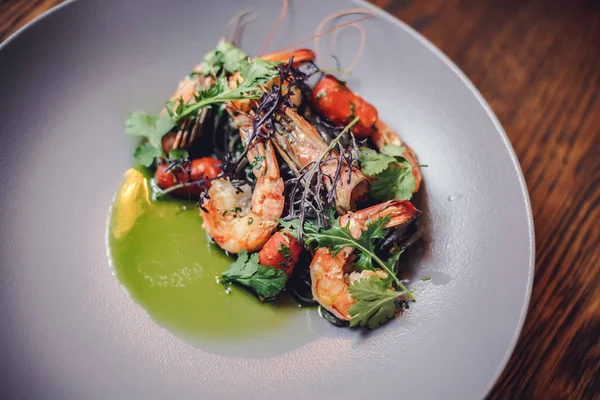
pixel 299 144
pixel 239 218
pixel 332 275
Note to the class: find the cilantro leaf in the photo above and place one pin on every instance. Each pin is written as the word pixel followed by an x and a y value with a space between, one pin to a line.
pixel 337 237
pixel 265 281
pixel 148 126
pixel 140 123
pixel 394 150
pixel 145 154
pixel 293 226
pixel 392 173
pixel 164 125
pixel 375 303
pixel 372 162
pixel 257 72
pixel 225 57
pixel 152 128
pixel 290 227
pixel 397 181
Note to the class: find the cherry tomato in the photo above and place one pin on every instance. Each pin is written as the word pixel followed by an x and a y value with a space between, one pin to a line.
pixel 281 251
pixel 199 168
pixel 340 105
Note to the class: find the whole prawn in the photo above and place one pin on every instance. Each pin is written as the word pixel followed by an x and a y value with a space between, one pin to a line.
pixel 332 275
pixel 239 218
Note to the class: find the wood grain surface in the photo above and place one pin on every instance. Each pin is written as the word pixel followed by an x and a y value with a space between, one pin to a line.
pixel 537 63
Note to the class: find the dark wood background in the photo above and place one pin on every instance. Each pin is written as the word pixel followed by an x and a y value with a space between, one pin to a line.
pixel 537 62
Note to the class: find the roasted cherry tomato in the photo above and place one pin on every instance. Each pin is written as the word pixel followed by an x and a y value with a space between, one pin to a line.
pixel 281 251
pixel 340 105
pixel 199 168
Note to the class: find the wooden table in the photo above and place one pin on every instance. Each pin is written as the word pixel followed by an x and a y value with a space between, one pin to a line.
pixel 537 62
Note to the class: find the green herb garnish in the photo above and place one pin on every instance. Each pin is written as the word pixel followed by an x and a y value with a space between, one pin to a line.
pixel 337 237
pixel 225 59
pixel 257 162
pixel 375 302
pixel 265 281
pixel 284 250
pixel 393 173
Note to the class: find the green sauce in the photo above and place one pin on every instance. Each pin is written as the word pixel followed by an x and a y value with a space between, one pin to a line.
pixel 161 254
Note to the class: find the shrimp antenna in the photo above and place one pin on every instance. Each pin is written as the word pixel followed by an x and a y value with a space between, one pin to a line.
pixel 370 15
pixel 280 20
pixel 334 39
pixel 237 25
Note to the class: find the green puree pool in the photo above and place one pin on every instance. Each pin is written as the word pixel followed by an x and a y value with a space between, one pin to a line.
pixel 161 254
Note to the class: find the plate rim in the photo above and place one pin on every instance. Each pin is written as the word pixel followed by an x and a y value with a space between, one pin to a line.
pixel 515 162
pixel 490 113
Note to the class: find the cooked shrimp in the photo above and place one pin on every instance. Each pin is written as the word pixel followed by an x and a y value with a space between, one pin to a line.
pixel 332 275
pixel 340 105
pixel 299 144
pixel 238 219
pixel 185 92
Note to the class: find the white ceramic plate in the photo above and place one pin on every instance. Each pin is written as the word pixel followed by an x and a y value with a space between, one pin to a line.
pixel 70 331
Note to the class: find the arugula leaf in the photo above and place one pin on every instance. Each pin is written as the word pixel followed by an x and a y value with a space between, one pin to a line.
pixel 145 154
pixel 266 281
pixel 372 162
pixel 164 125
pixel 375 302
pixel 397 181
